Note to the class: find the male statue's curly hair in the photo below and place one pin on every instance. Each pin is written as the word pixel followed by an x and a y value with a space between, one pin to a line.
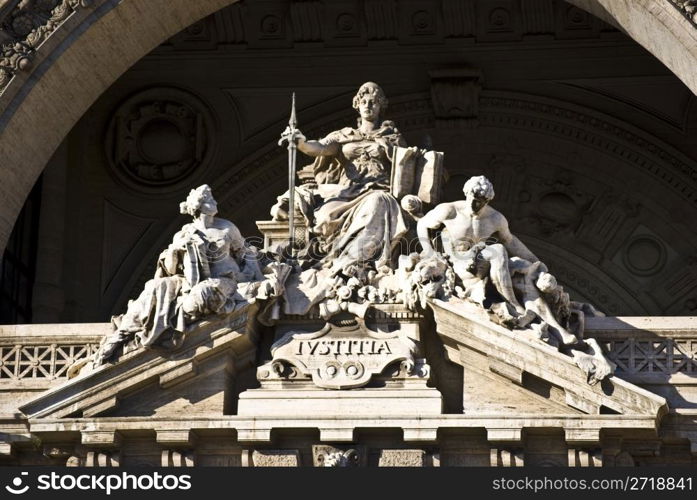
pixel 479 187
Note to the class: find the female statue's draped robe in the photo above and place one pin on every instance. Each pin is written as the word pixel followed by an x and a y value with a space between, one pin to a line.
pixel 359 220
pixel 196 276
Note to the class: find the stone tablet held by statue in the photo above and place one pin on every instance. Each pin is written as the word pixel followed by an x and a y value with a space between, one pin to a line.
pixel 419 172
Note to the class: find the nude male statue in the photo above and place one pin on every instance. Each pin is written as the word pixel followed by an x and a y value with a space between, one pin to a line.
pixel 481 247
pixel 469 222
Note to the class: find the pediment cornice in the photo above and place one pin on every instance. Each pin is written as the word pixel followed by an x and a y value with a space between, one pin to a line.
pixel 98 391
pixel 495 353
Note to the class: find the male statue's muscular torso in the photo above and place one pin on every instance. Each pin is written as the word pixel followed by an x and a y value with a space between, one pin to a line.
pixel 465 230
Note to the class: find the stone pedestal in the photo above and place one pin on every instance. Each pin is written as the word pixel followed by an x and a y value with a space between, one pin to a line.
pixel 347 365
pixel 276 232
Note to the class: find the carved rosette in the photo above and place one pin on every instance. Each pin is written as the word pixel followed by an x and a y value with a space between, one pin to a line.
pixel 159 138
pixel 330 456
pixel 339 357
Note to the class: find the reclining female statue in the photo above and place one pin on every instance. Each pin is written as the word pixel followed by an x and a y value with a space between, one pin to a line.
pixel 198 275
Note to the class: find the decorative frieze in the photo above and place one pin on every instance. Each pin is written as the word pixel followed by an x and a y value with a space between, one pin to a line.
pixel 28 26
pixel 281 24
pixel 275 458
pixel 687 8
pixel 558 120
pixel 403 458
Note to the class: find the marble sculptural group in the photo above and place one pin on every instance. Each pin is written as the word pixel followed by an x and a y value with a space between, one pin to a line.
pixel 368 243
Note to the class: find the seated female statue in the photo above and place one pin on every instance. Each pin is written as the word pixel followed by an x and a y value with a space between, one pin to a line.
pixel 197 276
pixel 357 220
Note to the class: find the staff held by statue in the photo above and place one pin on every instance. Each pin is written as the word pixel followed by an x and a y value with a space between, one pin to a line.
pixel 292 135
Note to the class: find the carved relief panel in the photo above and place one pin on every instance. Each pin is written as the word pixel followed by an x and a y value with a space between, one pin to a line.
pixel 159 137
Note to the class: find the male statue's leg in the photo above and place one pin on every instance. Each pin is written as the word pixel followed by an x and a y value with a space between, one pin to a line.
pixel 500 275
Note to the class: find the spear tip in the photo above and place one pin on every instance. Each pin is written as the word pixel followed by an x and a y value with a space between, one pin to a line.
pixel 293 120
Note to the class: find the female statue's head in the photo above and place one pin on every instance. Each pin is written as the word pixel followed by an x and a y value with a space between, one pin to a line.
pixel 370 102
pixel 199 201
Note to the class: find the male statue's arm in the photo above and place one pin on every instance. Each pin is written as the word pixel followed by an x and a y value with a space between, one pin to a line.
pixel 514 246
pixel 432 220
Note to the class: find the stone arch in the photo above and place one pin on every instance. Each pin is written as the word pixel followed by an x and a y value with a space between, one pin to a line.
pixel 667 29
pixel 43 103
